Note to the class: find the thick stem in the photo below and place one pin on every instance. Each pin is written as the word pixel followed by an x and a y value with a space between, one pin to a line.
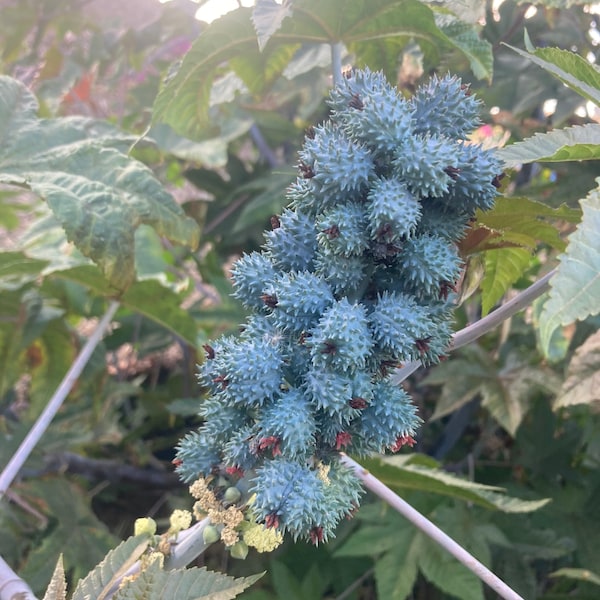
pixel 12 586
pixel 433 531
pixel 37 431
pixel 336 63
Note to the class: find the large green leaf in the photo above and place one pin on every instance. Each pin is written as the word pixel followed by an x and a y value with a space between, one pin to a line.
pixel 422 473
pixel 97 193
pixel 581 142
pixel 582 385
pixel 570 68
pixel 189 584
pixel 506 392
pixel 575 291
pixel 369 28
pixel 114 565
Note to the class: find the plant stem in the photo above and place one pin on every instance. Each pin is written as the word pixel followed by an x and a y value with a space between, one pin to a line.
pixel 336 63
pixel 474 331
pixel 12 586
pixel 37 431
pixel 431 530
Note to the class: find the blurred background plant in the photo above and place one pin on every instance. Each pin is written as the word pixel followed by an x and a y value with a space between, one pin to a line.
pixel 502 412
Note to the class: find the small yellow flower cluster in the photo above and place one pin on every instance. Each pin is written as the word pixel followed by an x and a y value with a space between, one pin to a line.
pixel 261 538
pixel 323 472
pixel 179 520
pixel 207 504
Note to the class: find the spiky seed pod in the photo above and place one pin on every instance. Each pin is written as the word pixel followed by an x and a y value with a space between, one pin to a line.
pixel 393 212
pixel 397 322
pixel 334 392
pixel 428 263
pixel 337 164
pixel 341 340
pixel 289 419
pixel 297 300
pixel 445 107
pixel 342 230
pixel 371 111
pixel 391 415
pixel 426 164
pixel 250 275
pixel 344 274
pixel 292 245
pixel 474 187
pixel 197 453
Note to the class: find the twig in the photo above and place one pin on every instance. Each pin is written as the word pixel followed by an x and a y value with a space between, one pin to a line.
pixel 13 587
pixel 433 531
pixel 37 431
pixel 474 331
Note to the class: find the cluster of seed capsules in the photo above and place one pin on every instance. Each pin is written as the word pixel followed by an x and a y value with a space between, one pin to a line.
pixel 356 278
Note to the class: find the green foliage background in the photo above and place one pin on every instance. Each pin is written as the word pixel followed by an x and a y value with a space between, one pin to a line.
pixel 222 116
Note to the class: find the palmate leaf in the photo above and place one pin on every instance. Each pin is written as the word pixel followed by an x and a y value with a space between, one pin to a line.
pixel 506 392
pixel 575 289
pixel 580 142
pixel 369 28
pixel 582 384
pixel 96 192
pixel 189 584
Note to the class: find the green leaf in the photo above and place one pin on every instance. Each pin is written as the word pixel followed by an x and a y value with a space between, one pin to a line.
pixel 524 222
pixel 16 269
pixel 396 571
pixel 446 573
pixel 369 28
pixel 115 564
pixel 572 69
pixel 575 289
pixel 466 38
pixel 149 297
pixel 183 584
pixel 582 384
pixel 578 574
pixel 74 530
pixel 267 18
pixel 505 392
pixel 96 192
pixel 401 472
pixel 57 589
pixel 580 142
pixel 502 268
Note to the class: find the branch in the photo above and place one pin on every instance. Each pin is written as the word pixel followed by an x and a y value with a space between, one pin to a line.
pixel 474 331
pixel 431 530
pixel 13 587
pixel 37 431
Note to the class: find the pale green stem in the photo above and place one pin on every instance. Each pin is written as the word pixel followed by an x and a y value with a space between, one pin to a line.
pixel 336 62
pixel 12 587
pixel 476 330
pixel 41 425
